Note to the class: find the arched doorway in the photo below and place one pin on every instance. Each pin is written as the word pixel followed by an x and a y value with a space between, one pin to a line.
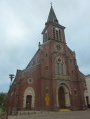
pixel 86 97
pixel 28 102
pixel 61 97
pixel 29 98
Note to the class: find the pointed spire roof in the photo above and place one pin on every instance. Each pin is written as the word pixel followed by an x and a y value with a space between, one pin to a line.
pixel 52 17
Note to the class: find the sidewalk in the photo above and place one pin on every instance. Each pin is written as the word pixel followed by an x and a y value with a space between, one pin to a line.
pixel 55 115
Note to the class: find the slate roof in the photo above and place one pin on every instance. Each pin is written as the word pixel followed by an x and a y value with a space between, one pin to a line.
pixel 52 17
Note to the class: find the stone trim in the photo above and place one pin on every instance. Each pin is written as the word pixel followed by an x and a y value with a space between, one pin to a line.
pixel 67 93
pixel 29 91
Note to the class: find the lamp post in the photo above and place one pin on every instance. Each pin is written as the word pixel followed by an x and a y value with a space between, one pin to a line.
pixel 11 76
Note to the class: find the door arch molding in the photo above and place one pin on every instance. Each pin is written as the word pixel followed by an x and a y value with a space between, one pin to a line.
pixel 67 93
pixel 29 91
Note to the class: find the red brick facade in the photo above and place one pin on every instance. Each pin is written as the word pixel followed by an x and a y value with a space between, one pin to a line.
pixel 52 77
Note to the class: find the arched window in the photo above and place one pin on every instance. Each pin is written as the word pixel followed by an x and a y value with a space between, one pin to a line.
pixel 57 34
pixel 46 36
pixel 53 33
pixel 58 69
pixel 61 69
pixel 60 39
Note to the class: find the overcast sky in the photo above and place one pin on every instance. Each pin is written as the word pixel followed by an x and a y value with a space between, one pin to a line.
pixel 21 24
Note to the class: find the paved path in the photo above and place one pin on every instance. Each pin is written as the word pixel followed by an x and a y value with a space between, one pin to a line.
pixel 56 115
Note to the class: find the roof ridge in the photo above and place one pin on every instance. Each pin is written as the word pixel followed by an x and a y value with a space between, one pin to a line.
pixel 32 59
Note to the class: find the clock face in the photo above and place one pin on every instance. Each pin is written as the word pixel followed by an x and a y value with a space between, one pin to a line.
pixel 58 47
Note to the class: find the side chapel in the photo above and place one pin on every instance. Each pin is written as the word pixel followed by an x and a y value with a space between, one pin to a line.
pixel 51 80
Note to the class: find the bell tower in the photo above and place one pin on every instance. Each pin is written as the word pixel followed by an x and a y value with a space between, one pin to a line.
pixel 53 30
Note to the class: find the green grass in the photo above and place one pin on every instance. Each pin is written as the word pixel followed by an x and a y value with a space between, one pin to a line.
pixel 3 110
pixel 3 113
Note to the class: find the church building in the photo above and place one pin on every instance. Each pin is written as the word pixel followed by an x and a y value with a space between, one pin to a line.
pixel 51 80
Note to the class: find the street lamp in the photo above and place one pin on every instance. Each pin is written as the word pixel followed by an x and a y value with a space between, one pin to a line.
pixel 11 76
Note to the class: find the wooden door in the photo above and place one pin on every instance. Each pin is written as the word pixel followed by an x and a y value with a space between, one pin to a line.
pixel 28 102
pixel 61 97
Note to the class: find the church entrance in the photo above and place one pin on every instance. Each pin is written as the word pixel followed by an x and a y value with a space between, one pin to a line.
pixel 28 102
pixel 61 97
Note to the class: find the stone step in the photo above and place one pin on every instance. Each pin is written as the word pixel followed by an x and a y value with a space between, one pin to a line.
pixel 27 112
pixel 33 112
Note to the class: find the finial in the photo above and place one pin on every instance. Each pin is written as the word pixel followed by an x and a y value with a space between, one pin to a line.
pixel 51 4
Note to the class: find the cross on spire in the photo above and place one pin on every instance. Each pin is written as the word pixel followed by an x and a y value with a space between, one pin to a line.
pixel 51 3
pixel 52 17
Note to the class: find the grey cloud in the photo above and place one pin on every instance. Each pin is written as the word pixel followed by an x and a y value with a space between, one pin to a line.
pixel 28 18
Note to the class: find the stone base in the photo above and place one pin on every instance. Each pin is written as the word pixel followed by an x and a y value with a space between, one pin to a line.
pixel 14 111
pixel 78 108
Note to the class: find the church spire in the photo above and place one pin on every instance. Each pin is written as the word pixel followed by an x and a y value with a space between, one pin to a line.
pixel 52 17
pixel 53 30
